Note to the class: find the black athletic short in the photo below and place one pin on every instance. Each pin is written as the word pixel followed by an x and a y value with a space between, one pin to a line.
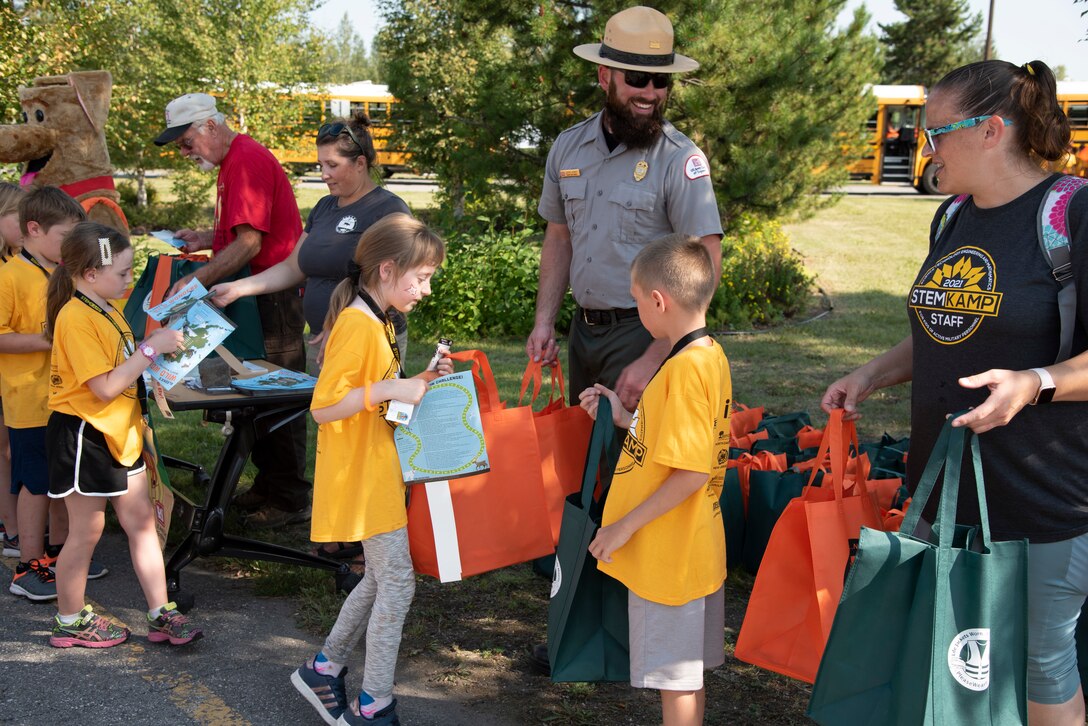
pixel 80 460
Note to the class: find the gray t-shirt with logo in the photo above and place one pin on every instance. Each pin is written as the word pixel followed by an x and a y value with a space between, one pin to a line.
pixel 985 298
pixel 332 234
pixel 616 202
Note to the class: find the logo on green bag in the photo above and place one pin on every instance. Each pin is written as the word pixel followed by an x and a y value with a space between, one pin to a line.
pixel 954 296
pixel 969 658
pixel 557 578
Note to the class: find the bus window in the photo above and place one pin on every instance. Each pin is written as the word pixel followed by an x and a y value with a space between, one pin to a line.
pixel 358 106
pixel 1078 115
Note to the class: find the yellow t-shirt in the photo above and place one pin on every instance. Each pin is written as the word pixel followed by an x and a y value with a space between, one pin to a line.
pixel 85 345
pixel 24 380
pixel 681 422
pixel 358 488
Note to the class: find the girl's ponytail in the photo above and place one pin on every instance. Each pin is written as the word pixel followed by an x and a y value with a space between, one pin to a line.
pixel 342 295
pixel 59 291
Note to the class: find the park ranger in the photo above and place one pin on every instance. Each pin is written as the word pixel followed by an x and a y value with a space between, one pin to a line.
pixel 613 183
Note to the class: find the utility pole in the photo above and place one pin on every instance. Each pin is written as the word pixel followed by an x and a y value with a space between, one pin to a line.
pixel 989 32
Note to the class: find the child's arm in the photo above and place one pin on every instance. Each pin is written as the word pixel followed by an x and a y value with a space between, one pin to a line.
pixel 23 343
pixel 409 390
pixel 588 398
pixel 111 384
pixel 680 485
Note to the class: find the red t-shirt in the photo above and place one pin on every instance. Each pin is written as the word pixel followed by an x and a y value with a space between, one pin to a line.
pixel 253 189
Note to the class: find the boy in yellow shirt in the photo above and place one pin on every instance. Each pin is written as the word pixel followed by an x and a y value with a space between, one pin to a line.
pixel 46 215
pixel 662 534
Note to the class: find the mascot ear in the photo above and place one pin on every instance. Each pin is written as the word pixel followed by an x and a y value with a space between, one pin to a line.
pixel 93 90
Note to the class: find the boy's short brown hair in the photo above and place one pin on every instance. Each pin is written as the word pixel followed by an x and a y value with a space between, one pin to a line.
pixel 680 266
pixel 48 206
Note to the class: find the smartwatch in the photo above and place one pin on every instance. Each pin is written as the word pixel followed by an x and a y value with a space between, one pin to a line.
pixel 147 351
pixel 1046 386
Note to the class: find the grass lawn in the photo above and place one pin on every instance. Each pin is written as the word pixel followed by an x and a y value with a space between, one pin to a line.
pixel 472 635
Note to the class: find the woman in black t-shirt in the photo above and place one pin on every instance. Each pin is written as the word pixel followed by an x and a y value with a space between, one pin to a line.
pixel 992 127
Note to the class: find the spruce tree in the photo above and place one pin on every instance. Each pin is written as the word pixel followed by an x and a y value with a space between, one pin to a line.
pixel 935 37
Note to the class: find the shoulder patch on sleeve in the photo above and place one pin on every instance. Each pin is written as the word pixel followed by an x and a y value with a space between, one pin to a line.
pixel 696 167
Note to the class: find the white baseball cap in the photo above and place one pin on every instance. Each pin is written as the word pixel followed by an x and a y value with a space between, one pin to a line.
pixel 183 112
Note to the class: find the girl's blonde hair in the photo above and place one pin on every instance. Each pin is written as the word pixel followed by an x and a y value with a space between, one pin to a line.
pixel 398 237
pixel 80 251
pixel 10 194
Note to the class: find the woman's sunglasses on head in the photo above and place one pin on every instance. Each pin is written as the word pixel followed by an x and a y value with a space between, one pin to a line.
pixel 336 129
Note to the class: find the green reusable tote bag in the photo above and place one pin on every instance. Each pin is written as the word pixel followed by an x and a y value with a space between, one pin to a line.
pixel 930 632
pixel 587 616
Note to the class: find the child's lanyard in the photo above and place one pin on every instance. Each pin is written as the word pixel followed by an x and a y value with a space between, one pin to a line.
pixel 390 331
pixel 681 344
pixel 141 390
pixel 34 261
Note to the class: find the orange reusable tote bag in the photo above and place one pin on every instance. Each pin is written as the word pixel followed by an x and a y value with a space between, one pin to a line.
pixel 562 433
pixel 801 576
pixel 501 517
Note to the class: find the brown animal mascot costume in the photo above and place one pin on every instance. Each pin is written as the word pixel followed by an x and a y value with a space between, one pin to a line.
pixel 62 141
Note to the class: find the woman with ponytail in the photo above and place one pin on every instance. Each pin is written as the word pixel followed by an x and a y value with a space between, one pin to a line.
pixel 992 127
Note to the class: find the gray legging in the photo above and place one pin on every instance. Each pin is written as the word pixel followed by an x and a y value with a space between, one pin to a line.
pixel 377 606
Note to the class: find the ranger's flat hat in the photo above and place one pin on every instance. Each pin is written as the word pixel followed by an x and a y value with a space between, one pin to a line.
pixel 637 39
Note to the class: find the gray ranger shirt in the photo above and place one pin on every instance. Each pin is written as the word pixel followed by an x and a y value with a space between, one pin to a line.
pixel 616 202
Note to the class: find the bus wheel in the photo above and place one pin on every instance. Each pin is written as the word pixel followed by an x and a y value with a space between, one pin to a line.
pixel 928 185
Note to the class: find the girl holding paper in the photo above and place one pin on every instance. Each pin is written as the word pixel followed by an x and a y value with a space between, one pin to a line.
pixel 358 488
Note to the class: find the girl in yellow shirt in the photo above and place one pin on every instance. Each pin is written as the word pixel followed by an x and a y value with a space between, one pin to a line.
pixel 94 436
pixel 358 488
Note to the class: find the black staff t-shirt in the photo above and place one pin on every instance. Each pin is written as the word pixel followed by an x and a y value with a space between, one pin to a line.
pixel 986 298
pixel 332 233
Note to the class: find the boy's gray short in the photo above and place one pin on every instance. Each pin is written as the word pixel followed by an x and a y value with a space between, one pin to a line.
pixel 671 645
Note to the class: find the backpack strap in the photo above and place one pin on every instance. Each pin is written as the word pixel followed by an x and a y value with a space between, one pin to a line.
pixel 1055 240
pixel 947 216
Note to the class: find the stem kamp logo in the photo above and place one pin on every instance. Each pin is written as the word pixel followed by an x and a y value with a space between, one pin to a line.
pixel 954 296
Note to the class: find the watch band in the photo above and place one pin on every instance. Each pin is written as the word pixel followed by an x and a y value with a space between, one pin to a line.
pixel 147 351
pixel 1046 386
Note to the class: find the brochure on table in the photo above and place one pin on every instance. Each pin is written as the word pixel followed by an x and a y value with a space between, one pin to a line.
pixel 278 381
pixel 444 438
pixel 202 326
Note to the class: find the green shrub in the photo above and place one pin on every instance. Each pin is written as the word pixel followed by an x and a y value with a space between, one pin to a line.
pixel 763 278
pixel 487 286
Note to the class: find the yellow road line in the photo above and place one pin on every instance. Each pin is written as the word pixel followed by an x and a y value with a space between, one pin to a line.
pixel 197 700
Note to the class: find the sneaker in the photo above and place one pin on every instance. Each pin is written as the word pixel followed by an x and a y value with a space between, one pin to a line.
pixel 386 717
pixel 11 546
pixel 90 631
pixel 249 501
pixel 94 571
pixel 173 626
pixel 270 517
pixel 34 581
pixel 325 693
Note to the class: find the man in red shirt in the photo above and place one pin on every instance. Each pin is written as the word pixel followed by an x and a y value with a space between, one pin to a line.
pixel 257 222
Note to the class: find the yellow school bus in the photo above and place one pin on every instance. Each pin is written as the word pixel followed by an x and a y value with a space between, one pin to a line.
pixel 896 140
pixel 339 101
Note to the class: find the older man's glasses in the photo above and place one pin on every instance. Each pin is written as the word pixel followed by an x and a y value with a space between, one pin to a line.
pixel 186 141
pixel 932 134
pixel 640 79
pixel 336 129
